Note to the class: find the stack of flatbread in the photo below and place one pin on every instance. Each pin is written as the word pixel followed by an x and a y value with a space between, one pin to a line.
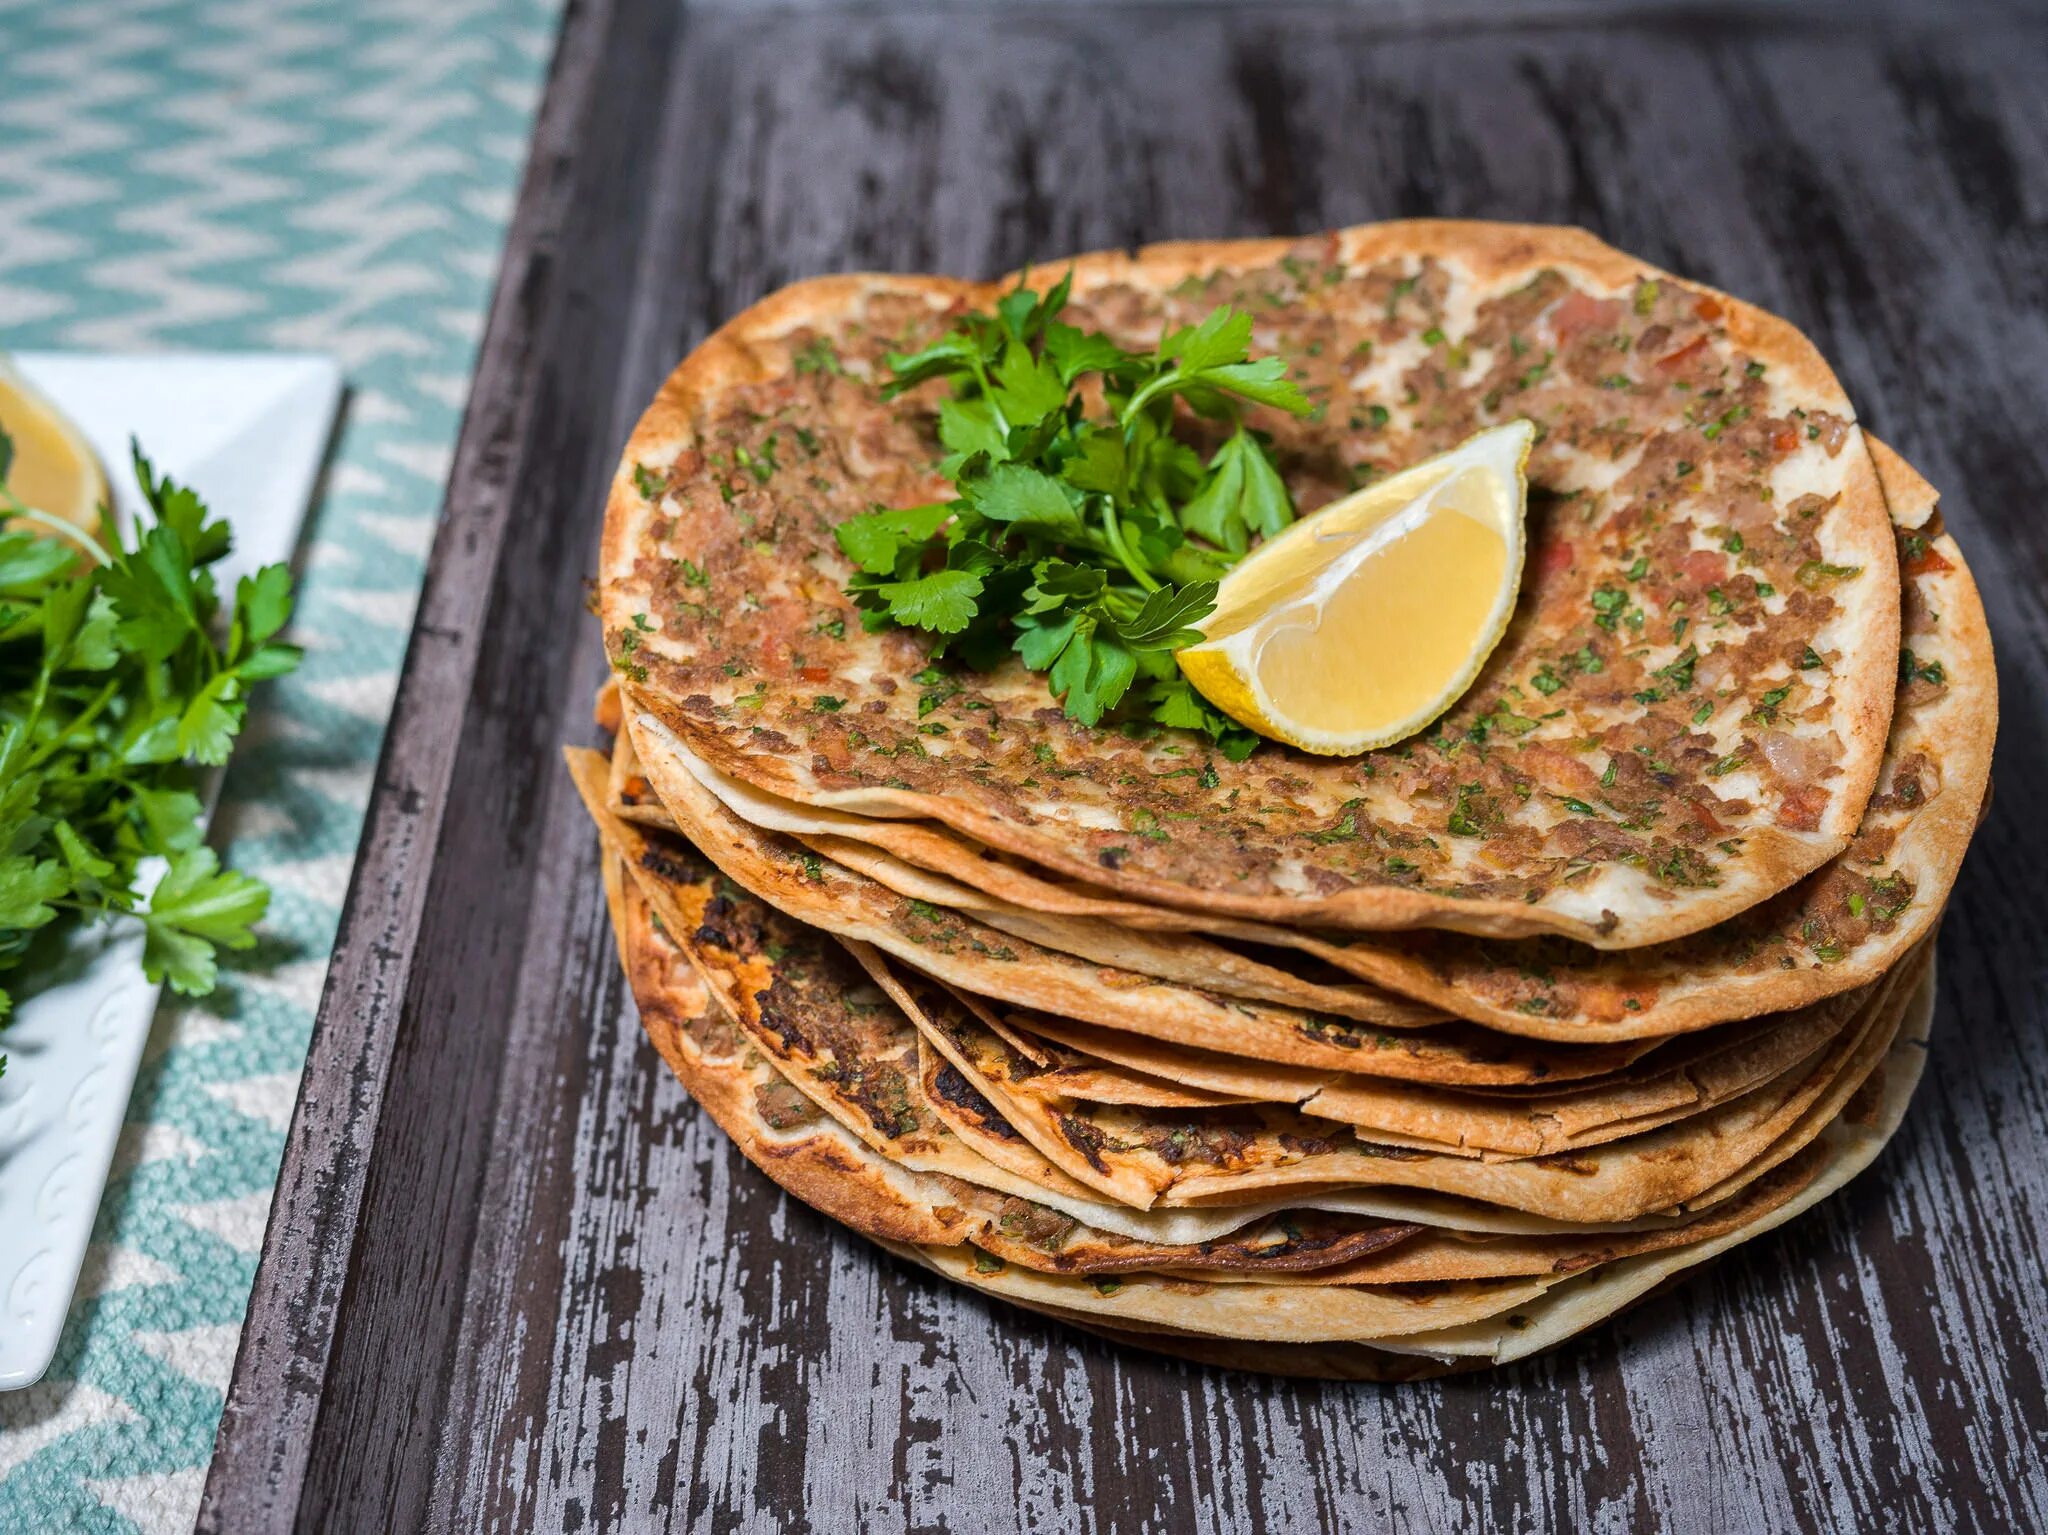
pixel 1359 1066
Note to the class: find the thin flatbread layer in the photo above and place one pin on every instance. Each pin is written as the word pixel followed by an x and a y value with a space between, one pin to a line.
pixel 1434 1256
pixel 1267 1313
pixel 1035 1207
pixel 1840 927
pixel 1687 1077
pixel 1853 1141
pixel 658 880
pixel 1849 1143
pixel 1705 512
pixel 1698 1162
pixel 953 947
pixel 834 1169
pixel 783 1134
pixel 1193 1156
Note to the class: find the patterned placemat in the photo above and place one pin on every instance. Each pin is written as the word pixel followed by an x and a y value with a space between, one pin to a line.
pixel 330 175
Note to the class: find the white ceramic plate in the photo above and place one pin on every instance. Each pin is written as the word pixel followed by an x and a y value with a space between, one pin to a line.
pixel 248 431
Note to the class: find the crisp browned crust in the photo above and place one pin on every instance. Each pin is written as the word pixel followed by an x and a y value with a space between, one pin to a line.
pixel 1772 858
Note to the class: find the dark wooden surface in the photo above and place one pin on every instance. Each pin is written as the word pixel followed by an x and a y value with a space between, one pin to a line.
pixel 514 1281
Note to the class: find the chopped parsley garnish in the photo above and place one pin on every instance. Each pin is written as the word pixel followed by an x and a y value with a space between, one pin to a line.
pixel 1679 672
pixel 648 483
pixel 819 356
pixel 1767 706
pixel 1344 829
pixel 1469 815
pixel 1911 666
pixel 1815 574
pixel 1608 603
pixel 1726 419
pixel 1090 543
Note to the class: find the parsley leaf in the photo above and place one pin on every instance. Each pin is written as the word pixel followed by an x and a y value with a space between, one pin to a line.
pixel 196 907
pixel 1243 494
pixel 943 601
pixel 873 540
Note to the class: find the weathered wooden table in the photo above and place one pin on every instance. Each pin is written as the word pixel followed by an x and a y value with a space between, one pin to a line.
pixel 515 1281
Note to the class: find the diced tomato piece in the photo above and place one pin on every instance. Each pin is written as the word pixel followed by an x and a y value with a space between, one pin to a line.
pixel 1671 362
pixel 1927 561
pixel 1554 559
pixel 815 673
pixel 1784 440
pixel 1704 567
pixel 1708 308
pixel 1802 807
pixel 1605 1002
pixel 1579 312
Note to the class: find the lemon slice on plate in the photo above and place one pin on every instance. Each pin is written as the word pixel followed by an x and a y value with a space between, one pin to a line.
pixel 1363 622
pixel 54 471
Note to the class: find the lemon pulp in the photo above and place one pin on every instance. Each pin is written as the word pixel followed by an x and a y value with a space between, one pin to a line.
pixel 1365 621
pixel 54 470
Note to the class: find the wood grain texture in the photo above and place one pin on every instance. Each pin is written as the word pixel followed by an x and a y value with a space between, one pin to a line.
pixel 515 1281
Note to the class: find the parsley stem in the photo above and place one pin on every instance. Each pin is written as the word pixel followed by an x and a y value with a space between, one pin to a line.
pixel 1112 526
pixel 1160 384
pixel 84 716
pixel 16 507
pixel 988 393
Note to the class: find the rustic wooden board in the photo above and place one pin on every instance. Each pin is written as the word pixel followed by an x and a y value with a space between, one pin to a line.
pixel 515 1281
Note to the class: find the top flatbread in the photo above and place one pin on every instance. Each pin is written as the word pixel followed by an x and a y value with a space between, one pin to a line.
pixel 1706 524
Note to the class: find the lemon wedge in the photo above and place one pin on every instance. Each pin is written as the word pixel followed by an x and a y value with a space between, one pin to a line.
pixel 1363 622
pixel 54 471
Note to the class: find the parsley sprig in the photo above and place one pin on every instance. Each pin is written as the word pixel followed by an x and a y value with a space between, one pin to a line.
pixel 122 666
pixel 1086 535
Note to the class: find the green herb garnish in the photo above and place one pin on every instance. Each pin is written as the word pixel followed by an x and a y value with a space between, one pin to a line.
pixel 122 666
pixel 1088 542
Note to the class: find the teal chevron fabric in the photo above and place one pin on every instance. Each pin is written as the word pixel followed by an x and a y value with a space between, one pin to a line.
pixel 330 175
